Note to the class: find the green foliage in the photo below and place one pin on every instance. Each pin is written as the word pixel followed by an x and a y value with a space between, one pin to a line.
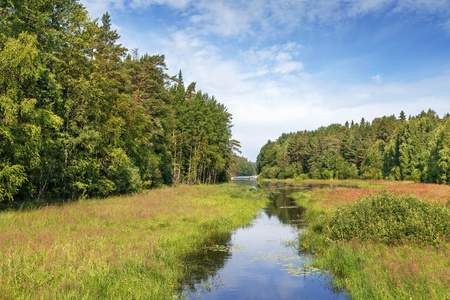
pixel 11 179
pixel 391 218
pixel 388 148
pixel 202 146
pixel 79 119
pixel 122 173
pixel 240 166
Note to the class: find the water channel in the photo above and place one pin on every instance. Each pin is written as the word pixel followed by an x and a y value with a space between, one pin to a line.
pixel 260 261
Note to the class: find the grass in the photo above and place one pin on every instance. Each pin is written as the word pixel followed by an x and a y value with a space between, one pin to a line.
pixel 386 242
pixel 129 247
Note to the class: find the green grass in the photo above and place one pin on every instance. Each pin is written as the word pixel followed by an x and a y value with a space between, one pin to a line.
pixel 391 218
pixel 130 247
pixel 382 246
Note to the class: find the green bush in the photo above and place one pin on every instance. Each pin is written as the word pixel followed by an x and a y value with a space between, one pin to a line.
pixel 123 173
pixel 389 218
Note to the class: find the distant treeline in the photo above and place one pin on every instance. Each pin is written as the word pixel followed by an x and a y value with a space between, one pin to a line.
pixel 241 166
pixel 390 148
pixel 79 117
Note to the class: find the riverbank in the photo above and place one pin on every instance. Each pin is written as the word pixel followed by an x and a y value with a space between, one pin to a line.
pixel 383 240
pixel 129 247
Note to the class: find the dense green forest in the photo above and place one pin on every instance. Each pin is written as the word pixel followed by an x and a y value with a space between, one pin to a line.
pixel 390 148
pixel 241 166
pixel 80 116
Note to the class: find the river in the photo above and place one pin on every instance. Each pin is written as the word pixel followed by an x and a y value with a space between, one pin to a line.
pixel 260 261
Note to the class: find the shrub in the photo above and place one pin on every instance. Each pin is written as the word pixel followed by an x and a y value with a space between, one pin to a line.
pixel 123 173
pixel 390 218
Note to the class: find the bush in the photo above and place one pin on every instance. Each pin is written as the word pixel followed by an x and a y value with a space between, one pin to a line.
pixel 389 218
pixel 123 173
pixel 301 177
pixel 11 179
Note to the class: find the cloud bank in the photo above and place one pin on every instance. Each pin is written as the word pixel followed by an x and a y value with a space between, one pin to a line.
pixel 260 58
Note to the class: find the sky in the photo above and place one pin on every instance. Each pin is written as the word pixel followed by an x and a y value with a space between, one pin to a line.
pixel 283 66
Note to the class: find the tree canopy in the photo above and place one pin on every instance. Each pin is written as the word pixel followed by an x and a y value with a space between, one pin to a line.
pixel 390 148
pixel 82 117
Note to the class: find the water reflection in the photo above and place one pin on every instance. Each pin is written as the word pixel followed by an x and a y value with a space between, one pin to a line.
pixel 205 264
pixel 258 262
pixel 284 208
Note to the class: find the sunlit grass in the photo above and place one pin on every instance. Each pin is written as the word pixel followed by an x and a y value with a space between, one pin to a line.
pixel 130 247
pixel 398 267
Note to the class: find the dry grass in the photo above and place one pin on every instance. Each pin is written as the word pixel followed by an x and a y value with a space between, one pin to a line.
pixel 432 192
pixel 345 195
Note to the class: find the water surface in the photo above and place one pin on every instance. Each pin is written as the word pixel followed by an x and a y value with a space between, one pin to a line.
pixel 260 261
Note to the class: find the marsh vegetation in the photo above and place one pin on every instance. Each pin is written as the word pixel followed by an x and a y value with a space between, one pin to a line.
pixel 134 247
pixel 389 240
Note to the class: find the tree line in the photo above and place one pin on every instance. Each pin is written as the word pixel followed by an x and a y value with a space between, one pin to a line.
pixel 80 116
pixel 389 148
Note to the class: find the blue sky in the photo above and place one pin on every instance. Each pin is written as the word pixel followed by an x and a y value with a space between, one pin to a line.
pixel 289 65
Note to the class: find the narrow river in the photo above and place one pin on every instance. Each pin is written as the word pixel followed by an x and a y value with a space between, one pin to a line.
pixel 260 262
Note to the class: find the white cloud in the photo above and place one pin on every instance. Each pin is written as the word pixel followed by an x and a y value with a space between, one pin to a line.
pixel 272 108
pixel 359 7
pixel 422 6
pixel 286 67
pixel 176 4
pixel 221 18
pixel 241 18
pixel 267 88
pixel 377 78
pixel 276 59
pixel 446 26
pixel 97 8
pixel 264 106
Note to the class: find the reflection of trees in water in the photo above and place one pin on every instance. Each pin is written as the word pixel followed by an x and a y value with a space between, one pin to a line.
pixel 202 267
pixel 284 208
pixel 206 262
pixel 245 183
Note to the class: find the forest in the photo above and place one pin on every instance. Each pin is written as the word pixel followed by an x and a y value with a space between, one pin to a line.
pixel 416 149
pixel 81 116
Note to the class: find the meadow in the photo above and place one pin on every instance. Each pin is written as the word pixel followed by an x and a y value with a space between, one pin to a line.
pixel 382 240
pixel 127 247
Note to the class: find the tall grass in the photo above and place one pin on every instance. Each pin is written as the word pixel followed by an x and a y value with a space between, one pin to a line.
pixel 384 245
pixel 130 247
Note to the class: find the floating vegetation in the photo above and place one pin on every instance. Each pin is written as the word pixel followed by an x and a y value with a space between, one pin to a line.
pixel 290 243
pixel 277 255
pixel 295 269
pixel 303 270
pixel 226 248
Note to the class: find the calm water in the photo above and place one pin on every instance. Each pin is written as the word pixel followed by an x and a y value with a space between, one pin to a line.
pixel 258 261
